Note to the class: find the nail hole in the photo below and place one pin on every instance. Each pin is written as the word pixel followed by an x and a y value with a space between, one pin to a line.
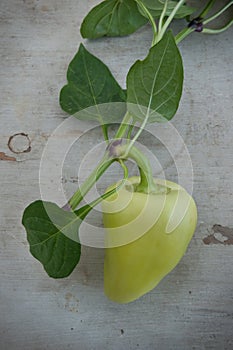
pixel 19 143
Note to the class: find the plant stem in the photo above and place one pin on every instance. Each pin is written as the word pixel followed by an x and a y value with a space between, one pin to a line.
pixel 129 150
pixel 95 202
pixel 207 20
pixel 162 16
pixel 151 19
pixel 217 31
pixel 90 181
pixel 146 184
pixel 183 34
pixel 100 169
pixel 124 126
pixel 105 132
pixel 130 131
pixel 169 20
pixel 141 128
pixel 207 8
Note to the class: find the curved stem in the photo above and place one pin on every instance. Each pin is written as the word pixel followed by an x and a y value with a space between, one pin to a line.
pixel 207 8
pixel 207 20
pixel 169 20
pixel 186 31
pixel 161 18
pixel 146 184
pixel 218 31
pixel 151 19
pixel 125 169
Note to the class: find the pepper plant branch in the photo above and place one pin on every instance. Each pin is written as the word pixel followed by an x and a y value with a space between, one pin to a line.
pixel 130 131
pixel 217 14
pixel 207 8
pixel 147 184
pixel 186 31
pixel 130 150
pixel 103 165
pixel 161 18
pixel 183 34
pixel 98 200
pixel 169 20
pixel 90 182
pixel 126 122
pixel 105 132
pixel 219 30
pixel 151 19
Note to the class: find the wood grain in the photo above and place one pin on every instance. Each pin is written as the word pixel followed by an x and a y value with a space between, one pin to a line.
pixel 192 308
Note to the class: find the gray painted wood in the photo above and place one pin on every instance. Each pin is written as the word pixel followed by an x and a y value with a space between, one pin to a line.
pixel 192 308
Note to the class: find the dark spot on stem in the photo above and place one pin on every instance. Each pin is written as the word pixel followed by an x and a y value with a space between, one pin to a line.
pixel 122 331
pixel 112 147
pixel 16 143
pixel 221 235
pixel 196 24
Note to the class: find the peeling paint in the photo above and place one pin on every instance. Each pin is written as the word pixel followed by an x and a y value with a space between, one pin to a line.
pixel 68 302
pixel 71 303
pixel 221 235
pixel 3 156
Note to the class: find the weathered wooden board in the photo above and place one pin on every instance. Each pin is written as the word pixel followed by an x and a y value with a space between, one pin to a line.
pixel 192 308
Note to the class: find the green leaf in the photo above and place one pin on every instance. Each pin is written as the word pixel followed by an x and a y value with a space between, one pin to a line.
pixel 112 18
pixel 154 85
pixel 156 7
pixel 53 233
pixel 53 236
pixel 91 83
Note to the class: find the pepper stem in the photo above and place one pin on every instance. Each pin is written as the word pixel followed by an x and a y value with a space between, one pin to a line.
pixel 146 184
pixel 122 151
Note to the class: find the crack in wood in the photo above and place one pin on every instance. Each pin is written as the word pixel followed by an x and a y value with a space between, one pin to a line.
pixel 226 236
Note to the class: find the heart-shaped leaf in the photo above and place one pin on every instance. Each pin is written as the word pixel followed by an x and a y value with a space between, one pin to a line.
pixel 112 18
pixel 154 85
pixel 53 236
pixel 90 83
pixel 53 233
